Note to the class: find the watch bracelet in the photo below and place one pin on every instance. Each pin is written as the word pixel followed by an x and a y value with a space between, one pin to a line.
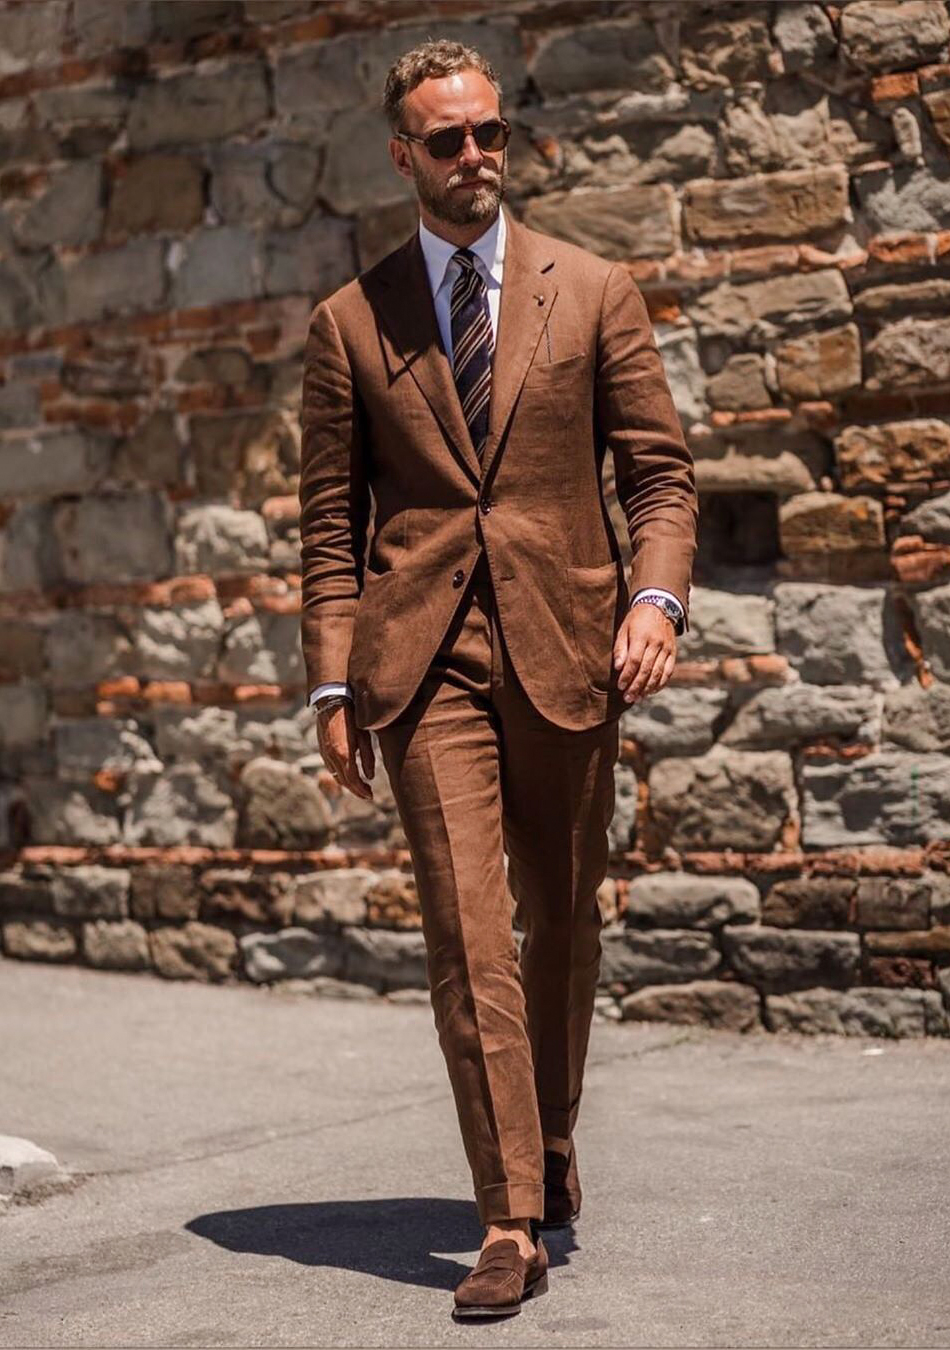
pixel 331 701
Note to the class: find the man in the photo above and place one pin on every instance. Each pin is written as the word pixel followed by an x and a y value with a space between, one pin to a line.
pixel 470 384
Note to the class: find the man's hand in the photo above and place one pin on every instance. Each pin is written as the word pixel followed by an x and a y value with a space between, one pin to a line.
pixel 340 739
pixel 644 651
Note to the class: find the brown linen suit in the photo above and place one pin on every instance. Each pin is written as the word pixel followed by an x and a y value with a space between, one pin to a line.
pixel 477 633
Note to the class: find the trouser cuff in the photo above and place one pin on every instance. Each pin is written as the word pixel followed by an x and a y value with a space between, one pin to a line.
pixel 510 1200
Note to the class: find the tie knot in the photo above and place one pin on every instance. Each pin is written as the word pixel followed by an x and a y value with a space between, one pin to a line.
pixel 465 258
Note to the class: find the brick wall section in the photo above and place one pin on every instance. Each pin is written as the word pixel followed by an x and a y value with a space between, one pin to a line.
pixel 180 184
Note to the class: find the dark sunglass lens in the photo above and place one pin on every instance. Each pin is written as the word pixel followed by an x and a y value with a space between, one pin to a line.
pixel 490 136
pixel 446 142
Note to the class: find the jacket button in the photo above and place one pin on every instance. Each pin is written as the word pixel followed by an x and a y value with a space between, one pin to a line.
pixel 458 577
pixel 486 504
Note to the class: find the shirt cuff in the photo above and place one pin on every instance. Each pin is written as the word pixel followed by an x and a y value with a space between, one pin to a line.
pixel 330 687
pixel 658 590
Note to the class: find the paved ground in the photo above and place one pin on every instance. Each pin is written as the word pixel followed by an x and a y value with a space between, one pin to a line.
pixel 277 1170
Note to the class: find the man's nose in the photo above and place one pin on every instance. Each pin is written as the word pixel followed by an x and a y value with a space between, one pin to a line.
pixel 470 152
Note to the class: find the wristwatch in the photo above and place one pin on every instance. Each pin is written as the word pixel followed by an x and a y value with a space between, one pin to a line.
pixel 671 610
pixel 331 701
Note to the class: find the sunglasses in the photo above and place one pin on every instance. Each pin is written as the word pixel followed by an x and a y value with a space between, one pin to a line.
pixel 446 142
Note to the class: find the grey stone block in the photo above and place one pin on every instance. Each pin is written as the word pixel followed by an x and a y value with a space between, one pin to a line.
pixel 858 1012
pixel 804 35
pixel 334 897
pixel 216 265
pixel 676 721
pixel 932 610
pixel 54 463
pixel 219 540
pixel 181 643
pixel 84 647
pixel 314 258
pixel 840 634
pixel 114 538
pixel 778 716
pixel 635 958
pixel 85 746
pixel 124 280
pixel 724 799
pixel 916 718
pixel 616 222
pixel 617 56
pixel 91 892
pixel 384 959
pixel 718 1003
pixel 809 902
pixel 892 34
pixel 183 805
pixel 23 713
pixel 196 951
pixel 116 946
pixel 68 212
pixel 272 183
pixel 887 797
pixel 683 900
pixel 283 807
pixel 263 649
pixel 208 102
pixel 39 940
pixel 779 960
pixel 69 813
pixel 760 311
pixel 293 953
pixel 722 623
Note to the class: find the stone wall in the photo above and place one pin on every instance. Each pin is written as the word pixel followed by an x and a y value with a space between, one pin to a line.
pixel 180 184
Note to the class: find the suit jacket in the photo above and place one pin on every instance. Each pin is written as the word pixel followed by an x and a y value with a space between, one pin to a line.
pixel 575 374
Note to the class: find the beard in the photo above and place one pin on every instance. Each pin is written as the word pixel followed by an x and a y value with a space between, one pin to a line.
pixel 462 206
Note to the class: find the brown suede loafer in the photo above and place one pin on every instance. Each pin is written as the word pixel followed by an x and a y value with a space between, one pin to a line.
pixel 562 1189
pixel 501 1280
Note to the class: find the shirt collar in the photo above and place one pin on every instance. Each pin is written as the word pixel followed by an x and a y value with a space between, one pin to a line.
pixel 489 250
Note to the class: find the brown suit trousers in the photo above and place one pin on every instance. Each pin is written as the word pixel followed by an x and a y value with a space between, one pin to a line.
pixel 477 772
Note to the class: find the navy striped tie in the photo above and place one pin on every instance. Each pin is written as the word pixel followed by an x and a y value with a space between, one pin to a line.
pixel 472 345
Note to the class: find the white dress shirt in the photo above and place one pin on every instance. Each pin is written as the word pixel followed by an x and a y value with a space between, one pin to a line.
pixel 489 251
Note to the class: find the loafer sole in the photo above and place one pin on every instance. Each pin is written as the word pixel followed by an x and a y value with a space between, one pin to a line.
pixel 532 1290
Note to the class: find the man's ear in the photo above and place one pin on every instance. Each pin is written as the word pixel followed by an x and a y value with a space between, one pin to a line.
pixel 397 155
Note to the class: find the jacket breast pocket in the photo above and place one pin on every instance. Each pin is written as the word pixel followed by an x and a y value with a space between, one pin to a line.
pixel 550 374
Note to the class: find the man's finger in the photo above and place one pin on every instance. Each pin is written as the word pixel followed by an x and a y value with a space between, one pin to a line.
pixel 638 680
pixel 367 753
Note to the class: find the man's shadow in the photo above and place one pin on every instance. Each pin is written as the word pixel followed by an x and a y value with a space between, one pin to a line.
pixel 395 1239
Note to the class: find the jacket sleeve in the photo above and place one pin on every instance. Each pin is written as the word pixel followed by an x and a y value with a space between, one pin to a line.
pixel 640 426
pixel 334 501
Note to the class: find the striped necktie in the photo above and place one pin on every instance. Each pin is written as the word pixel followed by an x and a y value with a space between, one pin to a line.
pixel 472 345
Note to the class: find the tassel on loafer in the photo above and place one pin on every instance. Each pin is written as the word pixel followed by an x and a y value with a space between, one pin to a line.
pixel 562 1189
pixel 501 1280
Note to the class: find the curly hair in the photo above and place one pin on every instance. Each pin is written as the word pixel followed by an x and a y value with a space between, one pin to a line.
pixel 430 60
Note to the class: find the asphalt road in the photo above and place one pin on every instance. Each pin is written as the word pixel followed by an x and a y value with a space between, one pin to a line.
pixel 273 1169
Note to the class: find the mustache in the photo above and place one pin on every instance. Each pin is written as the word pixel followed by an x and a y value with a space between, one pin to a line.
pixel 477 178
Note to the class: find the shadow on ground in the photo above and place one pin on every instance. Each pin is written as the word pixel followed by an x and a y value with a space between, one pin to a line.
pixel 399 1239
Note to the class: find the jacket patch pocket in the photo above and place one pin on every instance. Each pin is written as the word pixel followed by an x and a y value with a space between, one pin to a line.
pixel 598 597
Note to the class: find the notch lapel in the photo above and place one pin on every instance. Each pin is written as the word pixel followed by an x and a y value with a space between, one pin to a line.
pixel 404 301
pixel 527 297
